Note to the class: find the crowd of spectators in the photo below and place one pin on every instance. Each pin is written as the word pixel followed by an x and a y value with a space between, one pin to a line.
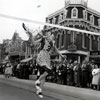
pixel 85 75
pixel 19 70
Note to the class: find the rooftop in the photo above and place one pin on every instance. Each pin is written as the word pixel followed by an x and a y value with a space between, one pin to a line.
pixel 75 2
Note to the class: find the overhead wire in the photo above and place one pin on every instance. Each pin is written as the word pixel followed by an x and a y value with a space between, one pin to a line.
pixel 47 24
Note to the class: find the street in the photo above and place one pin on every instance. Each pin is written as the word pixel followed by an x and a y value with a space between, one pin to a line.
pixel 8 92
pixel 16 89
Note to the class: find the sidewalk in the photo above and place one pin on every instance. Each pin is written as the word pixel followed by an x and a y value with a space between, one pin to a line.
pixel 53 90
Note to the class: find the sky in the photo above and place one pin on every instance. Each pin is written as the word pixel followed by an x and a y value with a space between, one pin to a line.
pixel 36 10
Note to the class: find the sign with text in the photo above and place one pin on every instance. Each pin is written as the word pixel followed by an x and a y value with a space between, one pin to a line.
pixel 94 53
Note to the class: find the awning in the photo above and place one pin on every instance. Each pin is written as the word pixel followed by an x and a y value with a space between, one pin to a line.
pixel 26 60
pixel 76 52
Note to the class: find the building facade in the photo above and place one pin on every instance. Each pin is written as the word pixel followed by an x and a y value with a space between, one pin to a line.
pixel 5 50
pixel 75 14
pixel 28 49
pixel 15 49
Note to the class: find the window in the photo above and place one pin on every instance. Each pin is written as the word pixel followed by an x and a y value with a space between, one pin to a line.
pixel 62 42
pixel 57 18
pixel 83 41
pixel 84 14
pixel 74 13
pixel 90 37
pixel 58 40
pixel 71 36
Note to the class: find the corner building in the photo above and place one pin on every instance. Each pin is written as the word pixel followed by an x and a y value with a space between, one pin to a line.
pixel 75 14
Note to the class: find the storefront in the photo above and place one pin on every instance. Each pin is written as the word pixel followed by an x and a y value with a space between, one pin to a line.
pixel 75 55
pixel 16 56
pixel 16 52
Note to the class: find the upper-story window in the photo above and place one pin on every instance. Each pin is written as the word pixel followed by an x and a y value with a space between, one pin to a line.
pixel 92 19
pixel 99 22
pixel 62 42
pixel 74 13
pixel 58 40
pixel 85 14
pixel 83 41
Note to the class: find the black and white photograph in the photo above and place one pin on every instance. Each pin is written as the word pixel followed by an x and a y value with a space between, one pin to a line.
pixel 49 49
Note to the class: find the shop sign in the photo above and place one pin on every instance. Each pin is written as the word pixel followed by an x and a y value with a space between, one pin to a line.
pixel 94 53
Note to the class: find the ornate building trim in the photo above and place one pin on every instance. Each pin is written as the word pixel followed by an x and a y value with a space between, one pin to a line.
pixel 65 14
pixel 92 19
pixel 75 52
pixel 58 39
pixel 85 14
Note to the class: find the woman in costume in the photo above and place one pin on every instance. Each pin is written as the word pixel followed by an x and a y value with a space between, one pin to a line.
pixel 43 58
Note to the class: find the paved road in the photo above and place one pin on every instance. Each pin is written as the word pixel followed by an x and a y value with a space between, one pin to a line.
pixel 51 91
pixel 8 92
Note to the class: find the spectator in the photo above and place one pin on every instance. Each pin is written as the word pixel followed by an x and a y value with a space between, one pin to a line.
pixel 54 68
pixel 60 73
pixel 70 74
pixel 84 80
pixel 64 74
pixel 96 77
pixel 89 69
pixel 18 70
pixel 8 71
pixel 77 73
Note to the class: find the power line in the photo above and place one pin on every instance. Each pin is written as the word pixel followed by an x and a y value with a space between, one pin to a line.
pixel 48 24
